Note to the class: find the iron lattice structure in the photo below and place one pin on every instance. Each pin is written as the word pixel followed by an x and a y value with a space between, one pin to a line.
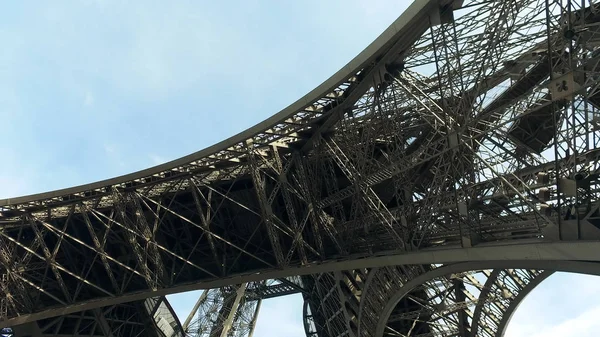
pixel 232 311
pixel 152 317
pixel 464 138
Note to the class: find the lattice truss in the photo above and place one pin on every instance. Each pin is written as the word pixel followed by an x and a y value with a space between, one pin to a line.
pixel 224 312
pixel 474 303
pixel 474 122
pixel 232 311
pixel 152 317
pixel 388 302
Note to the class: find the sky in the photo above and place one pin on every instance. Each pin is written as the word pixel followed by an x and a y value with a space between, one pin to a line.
pixel 93 89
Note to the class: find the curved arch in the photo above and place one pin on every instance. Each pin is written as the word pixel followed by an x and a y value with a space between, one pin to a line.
pixel 560 256
pixel 487 287
pixel 515 304
pixel 379 282
pixel 307 319
pixel 348 302
pixel 367 286
pixel 590 268
pixel 325 305
pixel 403 32
pixel 500 328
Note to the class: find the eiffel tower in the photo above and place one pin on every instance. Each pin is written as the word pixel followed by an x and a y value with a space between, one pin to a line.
pixel 423 190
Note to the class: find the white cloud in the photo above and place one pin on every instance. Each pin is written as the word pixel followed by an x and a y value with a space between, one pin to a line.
pixel 156 159
pixel 114 156
pixel 109 149
pixel 89 99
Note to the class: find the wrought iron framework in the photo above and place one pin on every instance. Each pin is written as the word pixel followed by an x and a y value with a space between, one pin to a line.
pixel 152 317
pixel 232 311
pixel 468 131
pixel 468 303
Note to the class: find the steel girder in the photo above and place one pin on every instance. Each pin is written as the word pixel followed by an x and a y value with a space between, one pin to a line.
pixel 151 317
pixel 466 125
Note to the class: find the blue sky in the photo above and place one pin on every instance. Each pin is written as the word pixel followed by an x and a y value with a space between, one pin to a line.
pixel 97 88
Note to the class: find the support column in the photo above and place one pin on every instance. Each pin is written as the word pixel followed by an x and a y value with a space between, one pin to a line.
pixel 233 310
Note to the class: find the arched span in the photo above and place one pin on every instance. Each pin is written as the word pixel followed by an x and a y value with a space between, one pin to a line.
pixel 496 303
pixel 380 283
pixel 591 268
pixel 483 294
pixel 546 256
pixel 517 302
